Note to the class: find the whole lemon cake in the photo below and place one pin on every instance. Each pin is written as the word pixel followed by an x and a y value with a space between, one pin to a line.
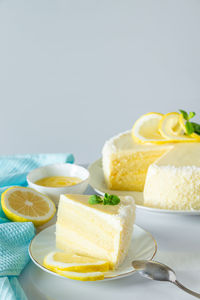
pixel 95 230
pixel 159 156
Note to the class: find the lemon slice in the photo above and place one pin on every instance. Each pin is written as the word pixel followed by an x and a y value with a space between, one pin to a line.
pixel 171 128
pixel 21 204
pixel 146 129
pixel 90 276
pixel 72 262
pixel 194 135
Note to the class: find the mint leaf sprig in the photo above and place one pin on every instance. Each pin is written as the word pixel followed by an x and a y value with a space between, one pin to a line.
pixel 187 116
pixel 110 199
pixel 196 127
pixel 190 126
pixel 107 200
pixel 95 199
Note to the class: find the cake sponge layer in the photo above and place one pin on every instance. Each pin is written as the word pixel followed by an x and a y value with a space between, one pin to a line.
pixel 125 163
pixel 128 169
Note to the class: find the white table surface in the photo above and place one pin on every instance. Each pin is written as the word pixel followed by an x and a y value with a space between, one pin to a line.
pixel 178 246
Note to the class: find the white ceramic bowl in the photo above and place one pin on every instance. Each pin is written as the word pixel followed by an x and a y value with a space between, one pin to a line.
pixel 54 193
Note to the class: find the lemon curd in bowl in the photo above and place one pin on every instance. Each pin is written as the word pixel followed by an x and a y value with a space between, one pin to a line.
pixel 54 180
pixel 58 181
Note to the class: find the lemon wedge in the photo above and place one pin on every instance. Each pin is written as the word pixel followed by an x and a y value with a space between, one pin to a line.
pixel 194 135
pixel 171 128
pixel 90 276
pixel 21 204
pixel 146 129
pixel 62 261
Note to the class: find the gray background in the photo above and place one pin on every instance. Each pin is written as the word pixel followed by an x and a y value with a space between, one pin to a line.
pixel 73 73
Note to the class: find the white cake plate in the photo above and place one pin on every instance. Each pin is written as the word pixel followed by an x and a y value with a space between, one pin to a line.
pixel 143 246
pixel 98 183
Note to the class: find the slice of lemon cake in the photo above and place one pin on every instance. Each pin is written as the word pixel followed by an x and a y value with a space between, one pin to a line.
pixel 173 181
pixel 125 162
pixel 96 230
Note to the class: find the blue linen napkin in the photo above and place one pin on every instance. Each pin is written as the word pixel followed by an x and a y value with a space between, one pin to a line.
pixel 14 169
pixel 15 237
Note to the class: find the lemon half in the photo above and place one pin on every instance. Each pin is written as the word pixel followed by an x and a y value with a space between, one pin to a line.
pixel 22 204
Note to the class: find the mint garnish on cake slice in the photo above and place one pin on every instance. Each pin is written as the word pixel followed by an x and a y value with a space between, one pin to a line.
pixel 107 200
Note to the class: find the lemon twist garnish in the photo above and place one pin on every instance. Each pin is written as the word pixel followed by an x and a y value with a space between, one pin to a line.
pixel 171 129
pixel 145 129
pixel 156 128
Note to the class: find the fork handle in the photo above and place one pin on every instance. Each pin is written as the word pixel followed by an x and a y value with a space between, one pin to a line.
pixel 177 283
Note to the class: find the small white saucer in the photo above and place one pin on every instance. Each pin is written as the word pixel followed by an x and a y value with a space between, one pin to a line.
pixel 143 246
pixel 98 183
